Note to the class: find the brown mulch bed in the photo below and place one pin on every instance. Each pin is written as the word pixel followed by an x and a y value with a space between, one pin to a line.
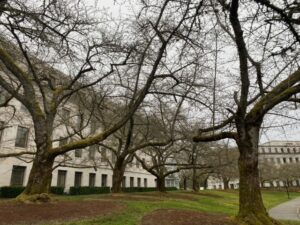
pixel 20 213
pixel 184 217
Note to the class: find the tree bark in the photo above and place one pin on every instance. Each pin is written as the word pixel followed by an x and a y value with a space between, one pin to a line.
pixel 225 183
pixel 118 173
pixel 40 177
pixel 39 182
pixel 184 183
pixel 251 207
pixel 161 184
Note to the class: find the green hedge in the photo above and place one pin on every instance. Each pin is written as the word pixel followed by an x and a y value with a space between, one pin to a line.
pixel 88 190
pixel 11 192
pixel 57 190
pixel 145 189
pixel 14 191
pixel 138 189
pixel 171 189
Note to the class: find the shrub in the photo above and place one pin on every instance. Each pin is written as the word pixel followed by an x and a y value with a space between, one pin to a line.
pixel 138 189
pixel 14 191
pixel 57 190
pixel 11 192
pixel 171 189
pixel 88 190
pixel 145 189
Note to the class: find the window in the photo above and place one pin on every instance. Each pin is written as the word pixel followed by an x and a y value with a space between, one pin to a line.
pixel 17 175
pixel 281 149
pixel 77 180
pixel 94 125
pixel 297 159
pixel 278 160
pixel 291 159
pixel 124 181
pixel 104 180
pixel 263 150
pixel 65 115
pixel 103 155
pixel 284 160
pixel 276 150
pixel 145 182
pixel 139 182
pixel 288 150
pixel 92 179
pixel 294 150
pixel 2 127
pixel 22 137
pixel 92 151
pixel 131 181
pixel 61 178
pixel 269 150
pixel 78 153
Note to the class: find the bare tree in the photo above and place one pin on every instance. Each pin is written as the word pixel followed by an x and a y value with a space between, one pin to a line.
pixel 58 31
pixel 261 84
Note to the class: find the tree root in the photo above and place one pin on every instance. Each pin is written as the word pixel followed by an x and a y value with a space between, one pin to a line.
pixel 256 219
pixel 35 198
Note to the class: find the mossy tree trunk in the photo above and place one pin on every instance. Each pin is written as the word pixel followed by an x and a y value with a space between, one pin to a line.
pixel 118 173
pixel 251 208
pixel 40 177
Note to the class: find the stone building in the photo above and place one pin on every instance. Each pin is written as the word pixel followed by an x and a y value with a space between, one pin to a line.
pixel 277 153
pixel 83 167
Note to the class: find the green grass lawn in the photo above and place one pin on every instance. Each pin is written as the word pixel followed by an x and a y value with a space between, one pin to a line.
pixel 208 201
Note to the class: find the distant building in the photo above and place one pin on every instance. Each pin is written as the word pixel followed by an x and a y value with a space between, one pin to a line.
pixel 277 152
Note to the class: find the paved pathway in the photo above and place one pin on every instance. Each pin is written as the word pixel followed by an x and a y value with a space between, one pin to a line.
pixel 287 211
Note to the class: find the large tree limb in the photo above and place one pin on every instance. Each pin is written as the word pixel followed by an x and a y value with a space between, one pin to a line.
pixel 214 137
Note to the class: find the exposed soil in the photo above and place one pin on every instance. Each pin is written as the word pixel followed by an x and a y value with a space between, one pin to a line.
pixel 20 213
pixel 184 217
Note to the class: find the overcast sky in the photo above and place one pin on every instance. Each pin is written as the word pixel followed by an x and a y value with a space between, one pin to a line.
pixel 290 132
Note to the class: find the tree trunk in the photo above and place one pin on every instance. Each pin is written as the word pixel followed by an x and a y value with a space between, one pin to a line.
pixel 184 183
pixel 39 182
pixel 251 207
pixel 118 173
pixel 161 184
pixel 40 177
pixel 195 180
pixel 225 183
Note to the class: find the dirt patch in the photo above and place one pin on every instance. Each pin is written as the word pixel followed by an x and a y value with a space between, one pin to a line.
pixel 20 213
pixel 184 217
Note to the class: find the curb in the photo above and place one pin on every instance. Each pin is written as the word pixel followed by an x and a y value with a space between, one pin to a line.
pixel 298 212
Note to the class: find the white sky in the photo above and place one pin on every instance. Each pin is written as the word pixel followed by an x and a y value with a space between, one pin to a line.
pixel 117 8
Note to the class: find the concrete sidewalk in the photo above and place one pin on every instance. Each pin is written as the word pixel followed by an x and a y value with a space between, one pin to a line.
pixel 287 211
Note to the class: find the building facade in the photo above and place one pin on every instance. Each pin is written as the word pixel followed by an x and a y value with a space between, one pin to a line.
pixel 82 167
pixel 277 153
